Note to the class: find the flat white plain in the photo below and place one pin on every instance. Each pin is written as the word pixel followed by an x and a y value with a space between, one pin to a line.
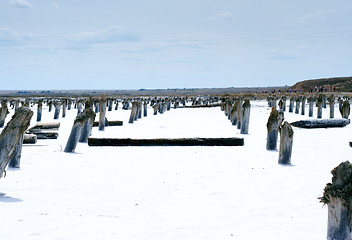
pixel 173 192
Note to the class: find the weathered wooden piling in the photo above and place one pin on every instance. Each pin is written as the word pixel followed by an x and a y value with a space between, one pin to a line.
pixel 12 134
pixel 64 107
pixel 234 113
pixel 286 141
pixel 117 105
pixel 298 104
pixel 15 161
pixel 310 101
pixel 303 105
pixel 50 105
pixel 134 112
pixel 145 109
pixel 76 132
pixel 246 109
pixel 87 125
pixel 292 103
pixel 79 105
pixel 239 112
pixel 57 106
pixel 345 109
pixel 155 109
pixel 338 196
pixel 331 101
pixel 139 110
pixel 320 106
pixel 272 129
pixel 39 110
pixel 102 113
pixel 110 105
pixel 3 113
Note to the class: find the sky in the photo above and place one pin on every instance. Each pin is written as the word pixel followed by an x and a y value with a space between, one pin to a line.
pixel 113 44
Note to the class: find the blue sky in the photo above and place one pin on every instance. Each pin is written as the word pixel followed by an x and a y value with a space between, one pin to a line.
pixel 113 44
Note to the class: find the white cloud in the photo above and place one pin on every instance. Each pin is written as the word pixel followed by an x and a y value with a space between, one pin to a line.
pixel 55 5
pixel 107 35
pixel 308 17
pixel 21 3
pixel 222 16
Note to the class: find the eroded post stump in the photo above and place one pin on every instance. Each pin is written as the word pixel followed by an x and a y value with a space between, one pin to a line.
pixel 87 125
pixel 76 132
pixel 134 112
pixel 331 101
pixel 239 113
pixel 303 106
pixel 234 113
pixel 57 105
pixel 102 113
pixel 246 110
pixel 145 107
pixel 292 103
pixel 286 141
pixel 3 112
pixel 338 196
pixel 15 161
pixel 272 129
pixel 320 106
pixel 12 134
pixel 298 104
pixel 311 106
pixel 345 109
pixel 39 110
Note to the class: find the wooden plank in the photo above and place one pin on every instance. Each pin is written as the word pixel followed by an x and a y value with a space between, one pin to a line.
pixel 321 123
pixel 166 142
pixel 46 126
pixel 111 123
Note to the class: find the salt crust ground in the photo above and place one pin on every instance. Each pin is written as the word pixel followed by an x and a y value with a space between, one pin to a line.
pixel 173 192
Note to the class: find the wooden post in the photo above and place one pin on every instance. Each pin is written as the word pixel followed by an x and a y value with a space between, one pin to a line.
pixel 311 106
pixel 234 113
pixel 39 110
pixel 134 112
pixel 12 134
pixel 239 113
pixel 298 104
pixel 57 105
pixel 15 161
pixel 102 113
pixel 145 106
pixel 69 104
pixel 117 105
pixel 272 129
pixel 320 106
pixel 284 98
pixel 292 102
pixel 139 110
pixel 64 106
pixel 324 101
pixel 17 104
pixel 303 108
pixel 109 104
pixel 3 112
pixel 286 140
pixel 246 110
pixel 79 105
pixel 331 101
pixel 75 132
pixel 345 109
pixel 155 108
pixel 96 107
pixel 337 195
pixel 50 105
pixel 87 125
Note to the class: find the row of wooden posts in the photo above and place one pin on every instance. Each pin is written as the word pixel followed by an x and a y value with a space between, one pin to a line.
pixel 337 195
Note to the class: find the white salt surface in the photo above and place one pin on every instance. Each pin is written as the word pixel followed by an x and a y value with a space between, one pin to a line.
pixel 173 192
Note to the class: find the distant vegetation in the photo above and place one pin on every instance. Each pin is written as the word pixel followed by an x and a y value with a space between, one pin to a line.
pixel 336 84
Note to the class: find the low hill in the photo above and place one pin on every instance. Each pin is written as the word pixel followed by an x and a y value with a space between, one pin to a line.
pixel 336 84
